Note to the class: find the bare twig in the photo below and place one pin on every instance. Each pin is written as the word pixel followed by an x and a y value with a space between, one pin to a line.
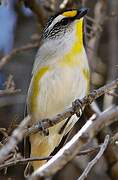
pixel 89 151
pixel 71 149
pixel 22 161
pixel 9 92
pixel 12 100
pixel 9 83
pixel 4 60
pixel 16 136
pixel 13 161
pixel 95 160
pixel 107 117
pixel 10 88
pixel 112 94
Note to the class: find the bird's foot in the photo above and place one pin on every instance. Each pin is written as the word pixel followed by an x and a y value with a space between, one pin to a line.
pixel 44 131
pixel 77 107
pixel 44 126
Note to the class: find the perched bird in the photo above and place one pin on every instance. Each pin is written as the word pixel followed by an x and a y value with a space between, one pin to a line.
pixel 60 75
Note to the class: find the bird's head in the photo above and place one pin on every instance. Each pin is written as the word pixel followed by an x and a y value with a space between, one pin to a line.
pixel 64 22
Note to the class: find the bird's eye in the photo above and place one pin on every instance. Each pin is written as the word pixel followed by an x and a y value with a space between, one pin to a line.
pixel 64 22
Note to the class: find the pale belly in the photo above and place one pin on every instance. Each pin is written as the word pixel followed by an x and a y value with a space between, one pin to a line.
pixel 57 89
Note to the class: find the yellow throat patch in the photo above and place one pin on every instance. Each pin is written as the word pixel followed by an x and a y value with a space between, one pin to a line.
pixel 77 47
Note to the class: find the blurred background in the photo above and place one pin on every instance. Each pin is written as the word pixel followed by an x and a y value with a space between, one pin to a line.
pixel 21 23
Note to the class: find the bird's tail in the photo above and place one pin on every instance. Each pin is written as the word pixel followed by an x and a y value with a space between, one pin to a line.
pixel 42 146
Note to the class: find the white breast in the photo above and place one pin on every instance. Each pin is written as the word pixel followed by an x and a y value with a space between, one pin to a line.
pixel 53 50
pixel 58 88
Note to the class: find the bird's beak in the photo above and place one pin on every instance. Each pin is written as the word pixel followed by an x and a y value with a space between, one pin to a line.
pixel 81 12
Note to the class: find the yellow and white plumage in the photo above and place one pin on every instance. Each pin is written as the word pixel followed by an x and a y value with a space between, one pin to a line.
pixel 60 75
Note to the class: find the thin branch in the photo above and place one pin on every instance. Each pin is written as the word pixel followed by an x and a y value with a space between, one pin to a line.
pixel 12 100
pixel 10 88
pixel 4 60
pixel 70 150
pixel 113 94
pixel 89 151
pixel 12 161
pixel 95 160
pixel 23 161
pixel 9 92
pixel 104 119
pixel 16 137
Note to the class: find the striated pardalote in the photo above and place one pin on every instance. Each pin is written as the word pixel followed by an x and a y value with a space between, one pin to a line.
pixel 60 75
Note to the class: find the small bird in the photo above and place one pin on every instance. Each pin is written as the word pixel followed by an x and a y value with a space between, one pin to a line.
pixel 60 75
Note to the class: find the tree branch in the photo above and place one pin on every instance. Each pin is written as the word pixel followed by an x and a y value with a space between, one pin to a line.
pixel 16 137
pixel 20 160
pixel 7 92
pixel 4 60
pixel 95 160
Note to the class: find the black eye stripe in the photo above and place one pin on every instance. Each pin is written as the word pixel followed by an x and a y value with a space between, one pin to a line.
pixel 63 22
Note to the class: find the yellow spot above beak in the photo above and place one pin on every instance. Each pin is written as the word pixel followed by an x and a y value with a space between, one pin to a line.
pixel 70 13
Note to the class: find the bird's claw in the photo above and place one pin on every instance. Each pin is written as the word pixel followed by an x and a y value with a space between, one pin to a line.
pixel 45 131
pixel 77 107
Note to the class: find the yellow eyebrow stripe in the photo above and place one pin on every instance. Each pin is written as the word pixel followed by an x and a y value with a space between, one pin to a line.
pixel 70 13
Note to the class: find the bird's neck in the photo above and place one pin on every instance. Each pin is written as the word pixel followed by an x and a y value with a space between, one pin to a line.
pixel 74 51
pixel 79 34
pixel 73 42
pixel 64 49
